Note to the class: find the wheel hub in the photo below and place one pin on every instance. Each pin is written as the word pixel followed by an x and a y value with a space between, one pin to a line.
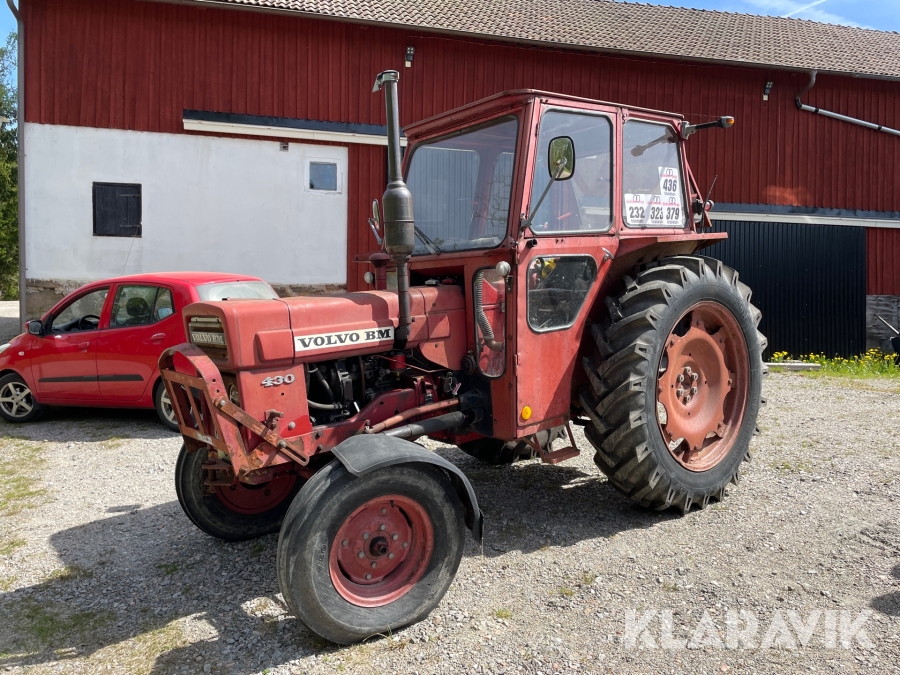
pixel 703 366
pixel 381 551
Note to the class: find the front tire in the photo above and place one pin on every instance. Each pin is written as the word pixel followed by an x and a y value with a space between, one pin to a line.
pixel 360 556
pixel 232 512
pixel 676 385
pixel 17 402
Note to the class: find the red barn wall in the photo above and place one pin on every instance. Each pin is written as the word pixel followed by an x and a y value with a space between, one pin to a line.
pixel 883 261
pixel 137 65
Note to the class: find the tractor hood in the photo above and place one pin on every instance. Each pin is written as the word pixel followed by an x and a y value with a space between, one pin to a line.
pixel 241 334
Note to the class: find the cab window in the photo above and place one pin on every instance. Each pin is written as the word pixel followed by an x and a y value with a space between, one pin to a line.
pixel 652 182
pixel 140 306
pixel 81 314
pixel 582 202
pixel 557 288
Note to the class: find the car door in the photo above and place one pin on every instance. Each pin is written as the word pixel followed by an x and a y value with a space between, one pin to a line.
pixel 141 320
pixel 64 359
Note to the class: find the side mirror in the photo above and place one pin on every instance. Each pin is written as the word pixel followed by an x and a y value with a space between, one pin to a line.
pixel 375 223
pixel 561 158
pixel 35 327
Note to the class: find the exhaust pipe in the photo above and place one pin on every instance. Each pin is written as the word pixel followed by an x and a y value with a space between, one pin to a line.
pixel 397 206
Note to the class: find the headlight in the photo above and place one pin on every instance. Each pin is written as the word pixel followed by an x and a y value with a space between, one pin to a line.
pixel 3 348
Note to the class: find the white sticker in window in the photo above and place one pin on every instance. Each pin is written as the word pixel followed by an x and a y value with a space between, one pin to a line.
pixel 668 181
pixel 672 208
pixel 636 209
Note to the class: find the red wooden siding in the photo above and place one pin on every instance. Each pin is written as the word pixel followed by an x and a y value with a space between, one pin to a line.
pixel 137 65
pixel 883 262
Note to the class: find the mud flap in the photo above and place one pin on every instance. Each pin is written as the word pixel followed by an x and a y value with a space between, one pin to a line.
pixel 365 453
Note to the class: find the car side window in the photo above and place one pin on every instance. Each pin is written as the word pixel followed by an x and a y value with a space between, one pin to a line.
pixel 81 314
pixel 164 306
pixel 136 306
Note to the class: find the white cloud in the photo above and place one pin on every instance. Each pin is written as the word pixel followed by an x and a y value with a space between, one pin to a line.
pixel 801 10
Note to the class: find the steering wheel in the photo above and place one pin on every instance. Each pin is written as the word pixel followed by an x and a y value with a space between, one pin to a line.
pixel 83 325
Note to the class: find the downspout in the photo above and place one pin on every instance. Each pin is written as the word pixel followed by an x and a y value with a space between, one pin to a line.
pixel 20 123
pixel 834 115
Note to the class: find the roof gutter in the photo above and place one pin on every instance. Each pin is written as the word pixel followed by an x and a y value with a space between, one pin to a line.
pixel 517 41
pixel 20 123
pixel 834 115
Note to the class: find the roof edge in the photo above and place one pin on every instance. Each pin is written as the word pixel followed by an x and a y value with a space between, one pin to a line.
pixel 222 4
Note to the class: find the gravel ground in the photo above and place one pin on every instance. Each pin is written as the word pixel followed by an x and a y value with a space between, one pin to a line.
pixel 100 570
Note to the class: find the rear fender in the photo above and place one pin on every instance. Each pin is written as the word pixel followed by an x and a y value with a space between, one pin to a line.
pixel 366 453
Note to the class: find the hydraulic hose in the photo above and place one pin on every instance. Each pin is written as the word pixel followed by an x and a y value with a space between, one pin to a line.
pixel 314 370
pixel 481 318
pixel 429 426
pixel 324 406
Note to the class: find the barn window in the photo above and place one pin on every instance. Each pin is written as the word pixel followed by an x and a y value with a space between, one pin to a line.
pixel 117 210
pixel 323 176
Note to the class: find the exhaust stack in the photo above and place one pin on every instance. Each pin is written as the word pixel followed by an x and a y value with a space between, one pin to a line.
pixel 397 206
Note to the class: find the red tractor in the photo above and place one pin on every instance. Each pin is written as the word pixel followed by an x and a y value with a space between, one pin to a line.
pixel 548 278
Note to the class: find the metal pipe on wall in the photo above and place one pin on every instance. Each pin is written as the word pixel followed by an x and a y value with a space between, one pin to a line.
pixel 20 123
pixel 837 116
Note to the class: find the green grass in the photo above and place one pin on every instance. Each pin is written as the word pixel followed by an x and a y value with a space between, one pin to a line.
pixel 567 592
pixel 502 613
pixel 38 625
pixel 19 463
pixel 167 568
pixel 871 364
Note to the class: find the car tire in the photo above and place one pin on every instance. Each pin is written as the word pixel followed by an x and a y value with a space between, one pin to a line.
pixel 17 402
pixel 164 408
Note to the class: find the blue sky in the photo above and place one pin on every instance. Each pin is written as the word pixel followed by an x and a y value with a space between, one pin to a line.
pixel 880 14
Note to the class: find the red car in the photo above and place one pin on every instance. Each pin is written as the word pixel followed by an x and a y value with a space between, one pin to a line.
pixel 99 346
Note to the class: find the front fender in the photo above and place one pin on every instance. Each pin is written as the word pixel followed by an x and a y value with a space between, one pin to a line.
pixel 365 453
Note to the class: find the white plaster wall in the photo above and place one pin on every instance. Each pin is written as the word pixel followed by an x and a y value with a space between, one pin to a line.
pixel 209 204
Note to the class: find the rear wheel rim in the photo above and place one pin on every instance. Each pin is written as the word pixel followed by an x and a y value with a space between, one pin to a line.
pixel 16 399
pixel 381 551
pixel 703 386
pixel 168 410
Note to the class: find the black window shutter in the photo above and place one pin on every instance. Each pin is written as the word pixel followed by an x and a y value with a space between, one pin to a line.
pixel 117 210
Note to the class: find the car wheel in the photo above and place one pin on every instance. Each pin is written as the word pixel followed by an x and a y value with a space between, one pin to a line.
pixel 17 402
pixel 164 407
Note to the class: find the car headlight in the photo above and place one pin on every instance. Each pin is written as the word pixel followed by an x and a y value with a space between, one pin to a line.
pixel 3 348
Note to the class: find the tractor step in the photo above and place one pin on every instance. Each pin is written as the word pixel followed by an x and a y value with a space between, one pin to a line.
pixel 560 455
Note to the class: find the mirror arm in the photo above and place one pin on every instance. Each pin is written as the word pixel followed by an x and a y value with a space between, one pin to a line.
pixel 525 224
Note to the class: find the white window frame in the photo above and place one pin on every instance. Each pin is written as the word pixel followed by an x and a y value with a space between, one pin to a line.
pixel 324 160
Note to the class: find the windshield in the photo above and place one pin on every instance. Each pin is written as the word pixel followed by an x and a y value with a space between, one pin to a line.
pixel 461 188
pixel 231 290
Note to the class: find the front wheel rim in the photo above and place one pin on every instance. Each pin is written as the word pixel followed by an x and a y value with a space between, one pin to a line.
pixel 168 410
pixel 381 551
pixel 703 386
pixel 16 399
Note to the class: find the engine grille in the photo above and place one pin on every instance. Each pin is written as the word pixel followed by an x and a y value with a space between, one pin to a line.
pixel 208 333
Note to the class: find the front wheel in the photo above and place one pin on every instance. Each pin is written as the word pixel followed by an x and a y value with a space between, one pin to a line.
pixel 231 512
pixel 164 408
pixel 360 556
pixel 675 388
pixel 17 403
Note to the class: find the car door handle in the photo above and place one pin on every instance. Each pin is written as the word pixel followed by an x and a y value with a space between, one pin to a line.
pixel 83 346
pixel 157 336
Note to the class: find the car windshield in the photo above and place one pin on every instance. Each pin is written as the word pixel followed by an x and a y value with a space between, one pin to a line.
pixel 232 290
pixel 461 187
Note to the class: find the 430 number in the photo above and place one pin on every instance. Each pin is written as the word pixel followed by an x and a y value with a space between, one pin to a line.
pixel 278 379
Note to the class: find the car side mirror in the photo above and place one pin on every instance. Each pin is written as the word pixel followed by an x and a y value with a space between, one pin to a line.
pixel 561 158
pixel 35 327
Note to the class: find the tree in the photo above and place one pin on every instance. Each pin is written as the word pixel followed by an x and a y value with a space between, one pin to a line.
pixel 9 176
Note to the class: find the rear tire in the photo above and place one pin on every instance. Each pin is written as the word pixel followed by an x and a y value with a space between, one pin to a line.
pixel 164 408
pixel 17 402
pixel 233 513
pixel 694 311
pixel 332 539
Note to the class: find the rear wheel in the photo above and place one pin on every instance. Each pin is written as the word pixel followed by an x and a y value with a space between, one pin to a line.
pixel 164 408
pixel 17 402
pixel 675 388
pixel 231 512
pixel 360 556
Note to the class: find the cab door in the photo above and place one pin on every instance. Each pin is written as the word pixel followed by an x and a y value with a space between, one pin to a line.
pixel 64 359
pixel 573 241
pixel 142 319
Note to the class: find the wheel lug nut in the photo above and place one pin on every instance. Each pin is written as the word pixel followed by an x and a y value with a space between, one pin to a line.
pixel 405 544
pixel 368 576
pixel 383 511
pixel 394 537
pixel 374 565
pixel 679 392
pixel 694 376
pixel 365 535
pixel 687 399
pixel 687 371
pixel 360 555
pixel 383 528
pixel 345 543
pixel 681 378
pixel 693 390
pixel 390 556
